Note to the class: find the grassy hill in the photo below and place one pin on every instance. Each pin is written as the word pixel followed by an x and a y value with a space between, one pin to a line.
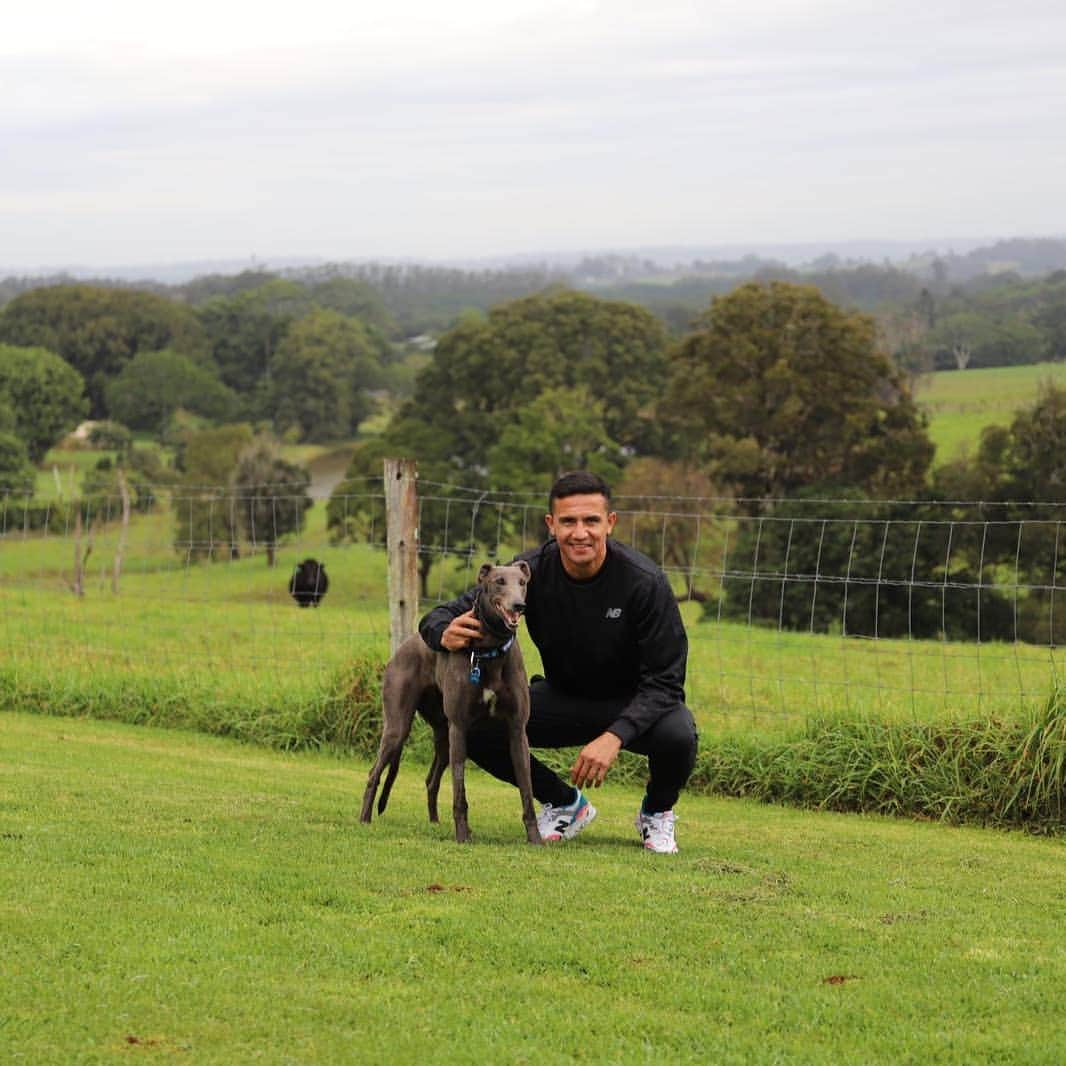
pixel 960 403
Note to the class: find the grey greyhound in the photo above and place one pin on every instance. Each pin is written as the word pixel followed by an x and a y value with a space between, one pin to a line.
pixel 452 689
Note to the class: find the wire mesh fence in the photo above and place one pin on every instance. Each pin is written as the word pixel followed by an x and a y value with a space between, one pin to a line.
pixel 794 608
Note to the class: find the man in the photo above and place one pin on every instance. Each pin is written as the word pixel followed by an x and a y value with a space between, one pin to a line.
pixel 614 649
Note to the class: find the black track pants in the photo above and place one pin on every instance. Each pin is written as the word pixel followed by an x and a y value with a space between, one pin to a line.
pixel 557 720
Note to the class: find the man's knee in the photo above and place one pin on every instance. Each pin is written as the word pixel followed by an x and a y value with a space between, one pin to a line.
pixel 673 737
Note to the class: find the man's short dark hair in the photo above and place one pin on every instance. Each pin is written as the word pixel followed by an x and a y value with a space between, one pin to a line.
pixel 579 483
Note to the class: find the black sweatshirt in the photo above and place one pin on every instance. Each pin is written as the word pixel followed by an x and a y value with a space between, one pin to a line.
pixel 618 634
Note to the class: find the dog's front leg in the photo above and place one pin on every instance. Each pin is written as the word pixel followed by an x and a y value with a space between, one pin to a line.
pixel 519 745
pixel 457 756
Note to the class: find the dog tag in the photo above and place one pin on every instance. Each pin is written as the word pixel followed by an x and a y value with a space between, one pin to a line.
pixel 475 670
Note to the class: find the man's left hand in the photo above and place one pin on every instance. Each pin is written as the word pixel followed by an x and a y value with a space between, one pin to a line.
pixel 594 760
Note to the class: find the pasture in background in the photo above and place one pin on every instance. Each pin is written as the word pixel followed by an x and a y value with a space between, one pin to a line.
pixel 960 403
pixel 819 609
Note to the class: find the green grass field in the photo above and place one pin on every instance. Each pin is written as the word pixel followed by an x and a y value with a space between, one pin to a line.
pixel 961 403
pixel 172 895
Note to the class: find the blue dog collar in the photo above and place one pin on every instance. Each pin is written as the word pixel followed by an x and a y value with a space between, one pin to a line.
pixel 478 654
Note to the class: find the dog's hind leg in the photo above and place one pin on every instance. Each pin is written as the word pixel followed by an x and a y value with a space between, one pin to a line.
pixel 398 713
pixel 390 777
pixel 388 755
pixel 372 784
pixel 436 770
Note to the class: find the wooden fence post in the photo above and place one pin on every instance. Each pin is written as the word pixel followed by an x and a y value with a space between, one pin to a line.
pixel 401 532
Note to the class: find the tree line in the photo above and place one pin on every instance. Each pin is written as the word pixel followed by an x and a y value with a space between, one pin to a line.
pixel 775 396
pixel 772 393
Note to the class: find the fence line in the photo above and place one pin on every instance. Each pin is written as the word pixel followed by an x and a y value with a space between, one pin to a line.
pixel 800 608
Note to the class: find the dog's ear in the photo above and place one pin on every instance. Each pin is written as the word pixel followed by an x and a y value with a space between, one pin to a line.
pixel 483 572
pixel 523 566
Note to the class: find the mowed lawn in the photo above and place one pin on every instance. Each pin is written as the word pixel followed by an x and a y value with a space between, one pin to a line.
pixel 960 403
pixel 171 895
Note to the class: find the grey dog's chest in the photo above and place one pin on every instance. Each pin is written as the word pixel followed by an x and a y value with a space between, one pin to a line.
pixel 480 696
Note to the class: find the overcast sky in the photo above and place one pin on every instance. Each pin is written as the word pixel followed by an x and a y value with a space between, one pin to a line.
pixel 133 132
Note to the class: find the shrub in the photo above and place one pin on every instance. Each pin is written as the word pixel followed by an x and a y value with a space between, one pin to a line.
pixel 990 771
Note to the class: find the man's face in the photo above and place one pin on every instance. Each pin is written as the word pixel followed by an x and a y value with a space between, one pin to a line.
pixel 580 525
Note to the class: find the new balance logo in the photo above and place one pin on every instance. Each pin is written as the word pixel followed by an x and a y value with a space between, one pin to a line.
pixel 614 612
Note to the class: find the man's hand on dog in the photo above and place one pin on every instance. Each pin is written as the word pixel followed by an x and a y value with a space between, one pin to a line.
pixel 594 760
pixel 462 631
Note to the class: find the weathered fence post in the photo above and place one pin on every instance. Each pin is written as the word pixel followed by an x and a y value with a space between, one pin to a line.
pixel 123 537
pixel 401 538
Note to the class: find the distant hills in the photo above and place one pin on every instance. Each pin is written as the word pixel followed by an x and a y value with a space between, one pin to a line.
pixel 947 260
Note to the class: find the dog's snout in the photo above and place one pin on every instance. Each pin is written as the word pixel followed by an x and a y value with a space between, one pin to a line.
pixel 520 608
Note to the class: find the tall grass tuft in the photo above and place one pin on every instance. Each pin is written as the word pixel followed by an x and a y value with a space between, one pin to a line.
pixel 992 771
pixel 341 712
pixel 989 771
pixel 350 717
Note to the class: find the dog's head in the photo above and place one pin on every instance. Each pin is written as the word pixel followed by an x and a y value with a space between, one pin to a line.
pixel 502 594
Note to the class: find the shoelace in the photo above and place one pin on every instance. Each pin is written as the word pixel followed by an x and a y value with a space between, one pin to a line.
pixel 660 826
pixel 561 817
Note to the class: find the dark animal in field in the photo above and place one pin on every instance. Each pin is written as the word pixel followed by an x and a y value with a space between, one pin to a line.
pixel 308 583
pixel 452 689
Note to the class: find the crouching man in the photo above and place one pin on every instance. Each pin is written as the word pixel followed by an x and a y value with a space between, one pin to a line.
pixel 614 649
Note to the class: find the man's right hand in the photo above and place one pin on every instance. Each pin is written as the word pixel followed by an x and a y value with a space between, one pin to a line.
pixel 462 631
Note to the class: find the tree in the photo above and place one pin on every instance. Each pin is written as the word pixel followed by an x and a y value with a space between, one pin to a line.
pixel 16 472
pixel 1021 471
pixel 1034 454
pixel 111 436
pixel 905 334
pixel 560 430
pixel 45 395
pixel 778 389
pixel 204 506
pixel 1050 314
pixel 98 330
pixel 667 510
pixel 452 518
pixel 355 299
pixel 272 495
pixel 863 569
pixel 153 385
pixel 320 376
pixel 141 469
pixel 245 328
pixel 484 370
pixel 974 338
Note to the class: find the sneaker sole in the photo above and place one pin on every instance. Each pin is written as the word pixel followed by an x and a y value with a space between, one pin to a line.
pixel 660 851
pixel 573 828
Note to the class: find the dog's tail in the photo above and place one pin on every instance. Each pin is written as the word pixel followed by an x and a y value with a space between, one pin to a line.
pixel 390 777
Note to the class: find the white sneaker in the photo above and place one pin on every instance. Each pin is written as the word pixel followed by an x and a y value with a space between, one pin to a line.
pixel 657 831
pixel 562 823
